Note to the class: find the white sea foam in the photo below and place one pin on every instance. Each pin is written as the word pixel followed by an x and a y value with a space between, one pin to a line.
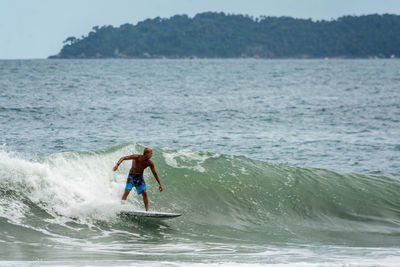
pixel 187 159
pixel 65 184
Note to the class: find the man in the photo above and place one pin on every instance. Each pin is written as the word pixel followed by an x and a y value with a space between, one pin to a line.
pixel 135 177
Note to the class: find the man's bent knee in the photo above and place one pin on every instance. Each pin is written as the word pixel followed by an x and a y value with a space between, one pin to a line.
pixel 127 191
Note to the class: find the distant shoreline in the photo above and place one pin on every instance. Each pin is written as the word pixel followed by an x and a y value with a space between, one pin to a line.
pixel 217 35
pixel 229 58
pixel 172 59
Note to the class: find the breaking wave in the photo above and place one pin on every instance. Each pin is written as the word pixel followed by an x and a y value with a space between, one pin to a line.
pixel 221 196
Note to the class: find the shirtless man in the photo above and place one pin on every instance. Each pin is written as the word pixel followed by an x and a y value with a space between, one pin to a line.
pixel 135 177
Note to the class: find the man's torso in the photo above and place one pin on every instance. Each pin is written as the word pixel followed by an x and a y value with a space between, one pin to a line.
pixel 138 166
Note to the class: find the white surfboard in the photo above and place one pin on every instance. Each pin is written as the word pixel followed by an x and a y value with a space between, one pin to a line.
pixel 149 214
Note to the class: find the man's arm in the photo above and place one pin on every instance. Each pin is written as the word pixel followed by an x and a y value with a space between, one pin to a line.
pixel 153 170
pixel 134 156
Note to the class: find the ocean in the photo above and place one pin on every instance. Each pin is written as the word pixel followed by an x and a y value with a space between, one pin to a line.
pixel 271 162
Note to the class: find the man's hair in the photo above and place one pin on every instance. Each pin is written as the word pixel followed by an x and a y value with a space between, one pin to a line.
pixel 147 150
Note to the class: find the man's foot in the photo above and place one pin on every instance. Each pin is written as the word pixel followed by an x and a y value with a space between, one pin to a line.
pixel 123 202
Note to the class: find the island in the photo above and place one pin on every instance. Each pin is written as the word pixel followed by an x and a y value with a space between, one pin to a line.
pixel 220 35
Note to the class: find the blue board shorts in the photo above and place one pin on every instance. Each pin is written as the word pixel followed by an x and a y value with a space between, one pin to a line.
pixel 136 181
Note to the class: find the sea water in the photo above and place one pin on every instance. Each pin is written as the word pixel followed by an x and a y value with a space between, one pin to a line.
pixel 271 162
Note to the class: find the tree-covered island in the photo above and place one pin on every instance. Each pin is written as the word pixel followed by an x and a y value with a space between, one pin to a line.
pixel 217 35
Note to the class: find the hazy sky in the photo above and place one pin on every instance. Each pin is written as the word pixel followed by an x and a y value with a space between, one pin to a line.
pixel 36 28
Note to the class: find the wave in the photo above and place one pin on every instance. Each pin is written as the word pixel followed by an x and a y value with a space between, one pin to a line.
pixel 228 197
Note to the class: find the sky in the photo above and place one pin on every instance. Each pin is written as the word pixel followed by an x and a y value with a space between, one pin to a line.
pixel 37 28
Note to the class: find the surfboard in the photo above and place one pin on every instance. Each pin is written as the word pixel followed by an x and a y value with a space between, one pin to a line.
pixel 149 214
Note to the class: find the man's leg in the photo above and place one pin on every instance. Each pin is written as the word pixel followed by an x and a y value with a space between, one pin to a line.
pixel 126 193
pixel 145 200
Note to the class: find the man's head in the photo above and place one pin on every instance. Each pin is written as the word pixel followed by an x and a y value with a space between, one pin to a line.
pixel 147 152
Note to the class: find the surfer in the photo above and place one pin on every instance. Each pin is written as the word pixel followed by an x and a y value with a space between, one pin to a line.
pixel 135 177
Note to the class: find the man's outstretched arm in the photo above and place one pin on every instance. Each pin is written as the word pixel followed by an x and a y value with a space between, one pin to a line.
pixel 153 170
pixel 134 156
